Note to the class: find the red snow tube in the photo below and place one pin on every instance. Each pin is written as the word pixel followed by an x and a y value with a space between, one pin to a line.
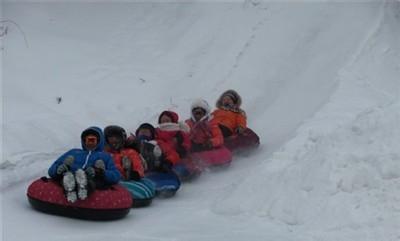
pixel 46 195
pixel 215 157
pixel 247 140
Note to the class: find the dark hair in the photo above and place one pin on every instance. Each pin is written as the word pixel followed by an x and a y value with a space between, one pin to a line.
pixel 114 130
pixel 148 127
pixel 90 132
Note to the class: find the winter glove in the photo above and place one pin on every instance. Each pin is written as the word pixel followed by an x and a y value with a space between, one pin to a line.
pixel 90 172
pixel 165 166
pixel 240 130
pixel 135 176
pixel 179 138
pixel 99 167
pixel 181 151
pixel 157 152
pixel 68 161
pixel 126 163
pixel 61 169
pixel 208 144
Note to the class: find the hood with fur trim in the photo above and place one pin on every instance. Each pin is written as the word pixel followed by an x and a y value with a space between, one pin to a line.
pixel 173 115
pixel 237 99
pixel 200 103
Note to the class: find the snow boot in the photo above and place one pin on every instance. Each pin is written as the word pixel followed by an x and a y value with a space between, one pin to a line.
pixel 69 187
pixel 82 184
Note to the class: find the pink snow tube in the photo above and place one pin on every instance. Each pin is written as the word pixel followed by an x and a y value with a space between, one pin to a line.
pixel 247 140
pixel 215 157
pixel 47 195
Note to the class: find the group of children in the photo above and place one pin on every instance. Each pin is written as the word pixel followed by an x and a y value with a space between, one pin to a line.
pixel 110 156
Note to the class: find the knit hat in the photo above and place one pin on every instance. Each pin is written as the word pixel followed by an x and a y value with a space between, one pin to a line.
pixel 174 116
pixel 147 126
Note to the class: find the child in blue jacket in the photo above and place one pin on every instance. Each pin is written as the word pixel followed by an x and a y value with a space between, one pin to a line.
pixel 82 170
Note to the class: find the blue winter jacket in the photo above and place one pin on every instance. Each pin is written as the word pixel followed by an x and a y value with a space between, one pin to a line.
pixel 85 158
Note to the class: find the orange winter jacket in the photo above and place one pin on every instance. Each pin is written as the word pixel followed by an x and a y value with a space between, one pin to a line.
pixel 205 130
pixel 229 118
pixel 136 162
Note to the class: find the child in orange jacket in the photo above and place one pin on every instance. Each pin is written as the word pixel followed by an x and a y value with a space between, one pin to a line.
pixel 230 117
pixel 127 160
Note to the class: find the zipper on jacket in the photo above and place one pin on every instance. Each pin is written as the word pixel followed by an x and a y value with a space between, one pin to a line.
pixel 87 160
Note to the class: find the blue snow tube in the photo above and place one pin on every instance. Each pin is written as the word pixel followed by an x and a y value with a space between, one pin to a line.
pixel 166 183
pixel 142 191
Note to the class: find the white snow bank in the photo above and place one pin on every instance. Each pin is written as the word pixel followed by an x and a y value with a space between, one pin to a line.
pixel 341 172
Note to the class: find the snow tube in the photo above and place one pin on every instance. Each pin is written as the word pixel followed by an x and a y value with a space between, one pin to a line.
pixel 216 157
pixel 187 169
pixel 166 183
pixel 247 140
pixel 47 195
pixel 142 191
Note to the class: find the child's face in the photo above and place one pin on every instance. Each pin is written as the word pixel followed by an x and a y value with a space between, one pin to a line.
pixel 115 142
pixel 227 101
pixel 165 119
pixel 198 113
pixel 91 142
pixel 144 132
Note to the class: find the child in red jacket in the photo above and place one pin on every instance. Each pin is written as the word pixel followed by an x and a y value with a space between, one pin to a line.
pixel 205 133
pixel 172 137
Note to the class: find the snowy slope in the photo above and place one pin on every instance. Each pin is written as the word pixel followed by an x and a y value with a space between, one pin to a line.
pixel 319 82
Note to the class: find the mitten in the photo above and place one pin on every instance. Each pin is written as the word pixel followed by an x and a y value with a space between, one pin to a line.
pixel 61 169
pixel 179 138
pixel 166 166
pixel 208 144
pixel 181 151
pixel 134 176
pixel 69 160
pixel 157 152
pixel 90 172
pixel 126 163
pixel 100 167
pixel 240 130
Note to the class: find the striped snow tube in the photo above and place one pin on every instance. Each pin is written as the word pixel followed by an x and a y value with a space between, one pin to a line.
pixel 142 191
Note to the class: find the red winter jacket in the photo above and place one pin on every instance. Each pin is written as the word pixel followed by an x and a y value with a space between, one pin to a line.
pixel 166 138
pixel 136 162
pixel 205 130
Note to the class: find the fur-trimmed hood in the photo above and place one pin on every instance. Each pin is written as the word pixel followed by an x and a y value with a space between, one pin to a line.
pixel 237 99
pixel 173 115
pixel 180 126
pixel 200 103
